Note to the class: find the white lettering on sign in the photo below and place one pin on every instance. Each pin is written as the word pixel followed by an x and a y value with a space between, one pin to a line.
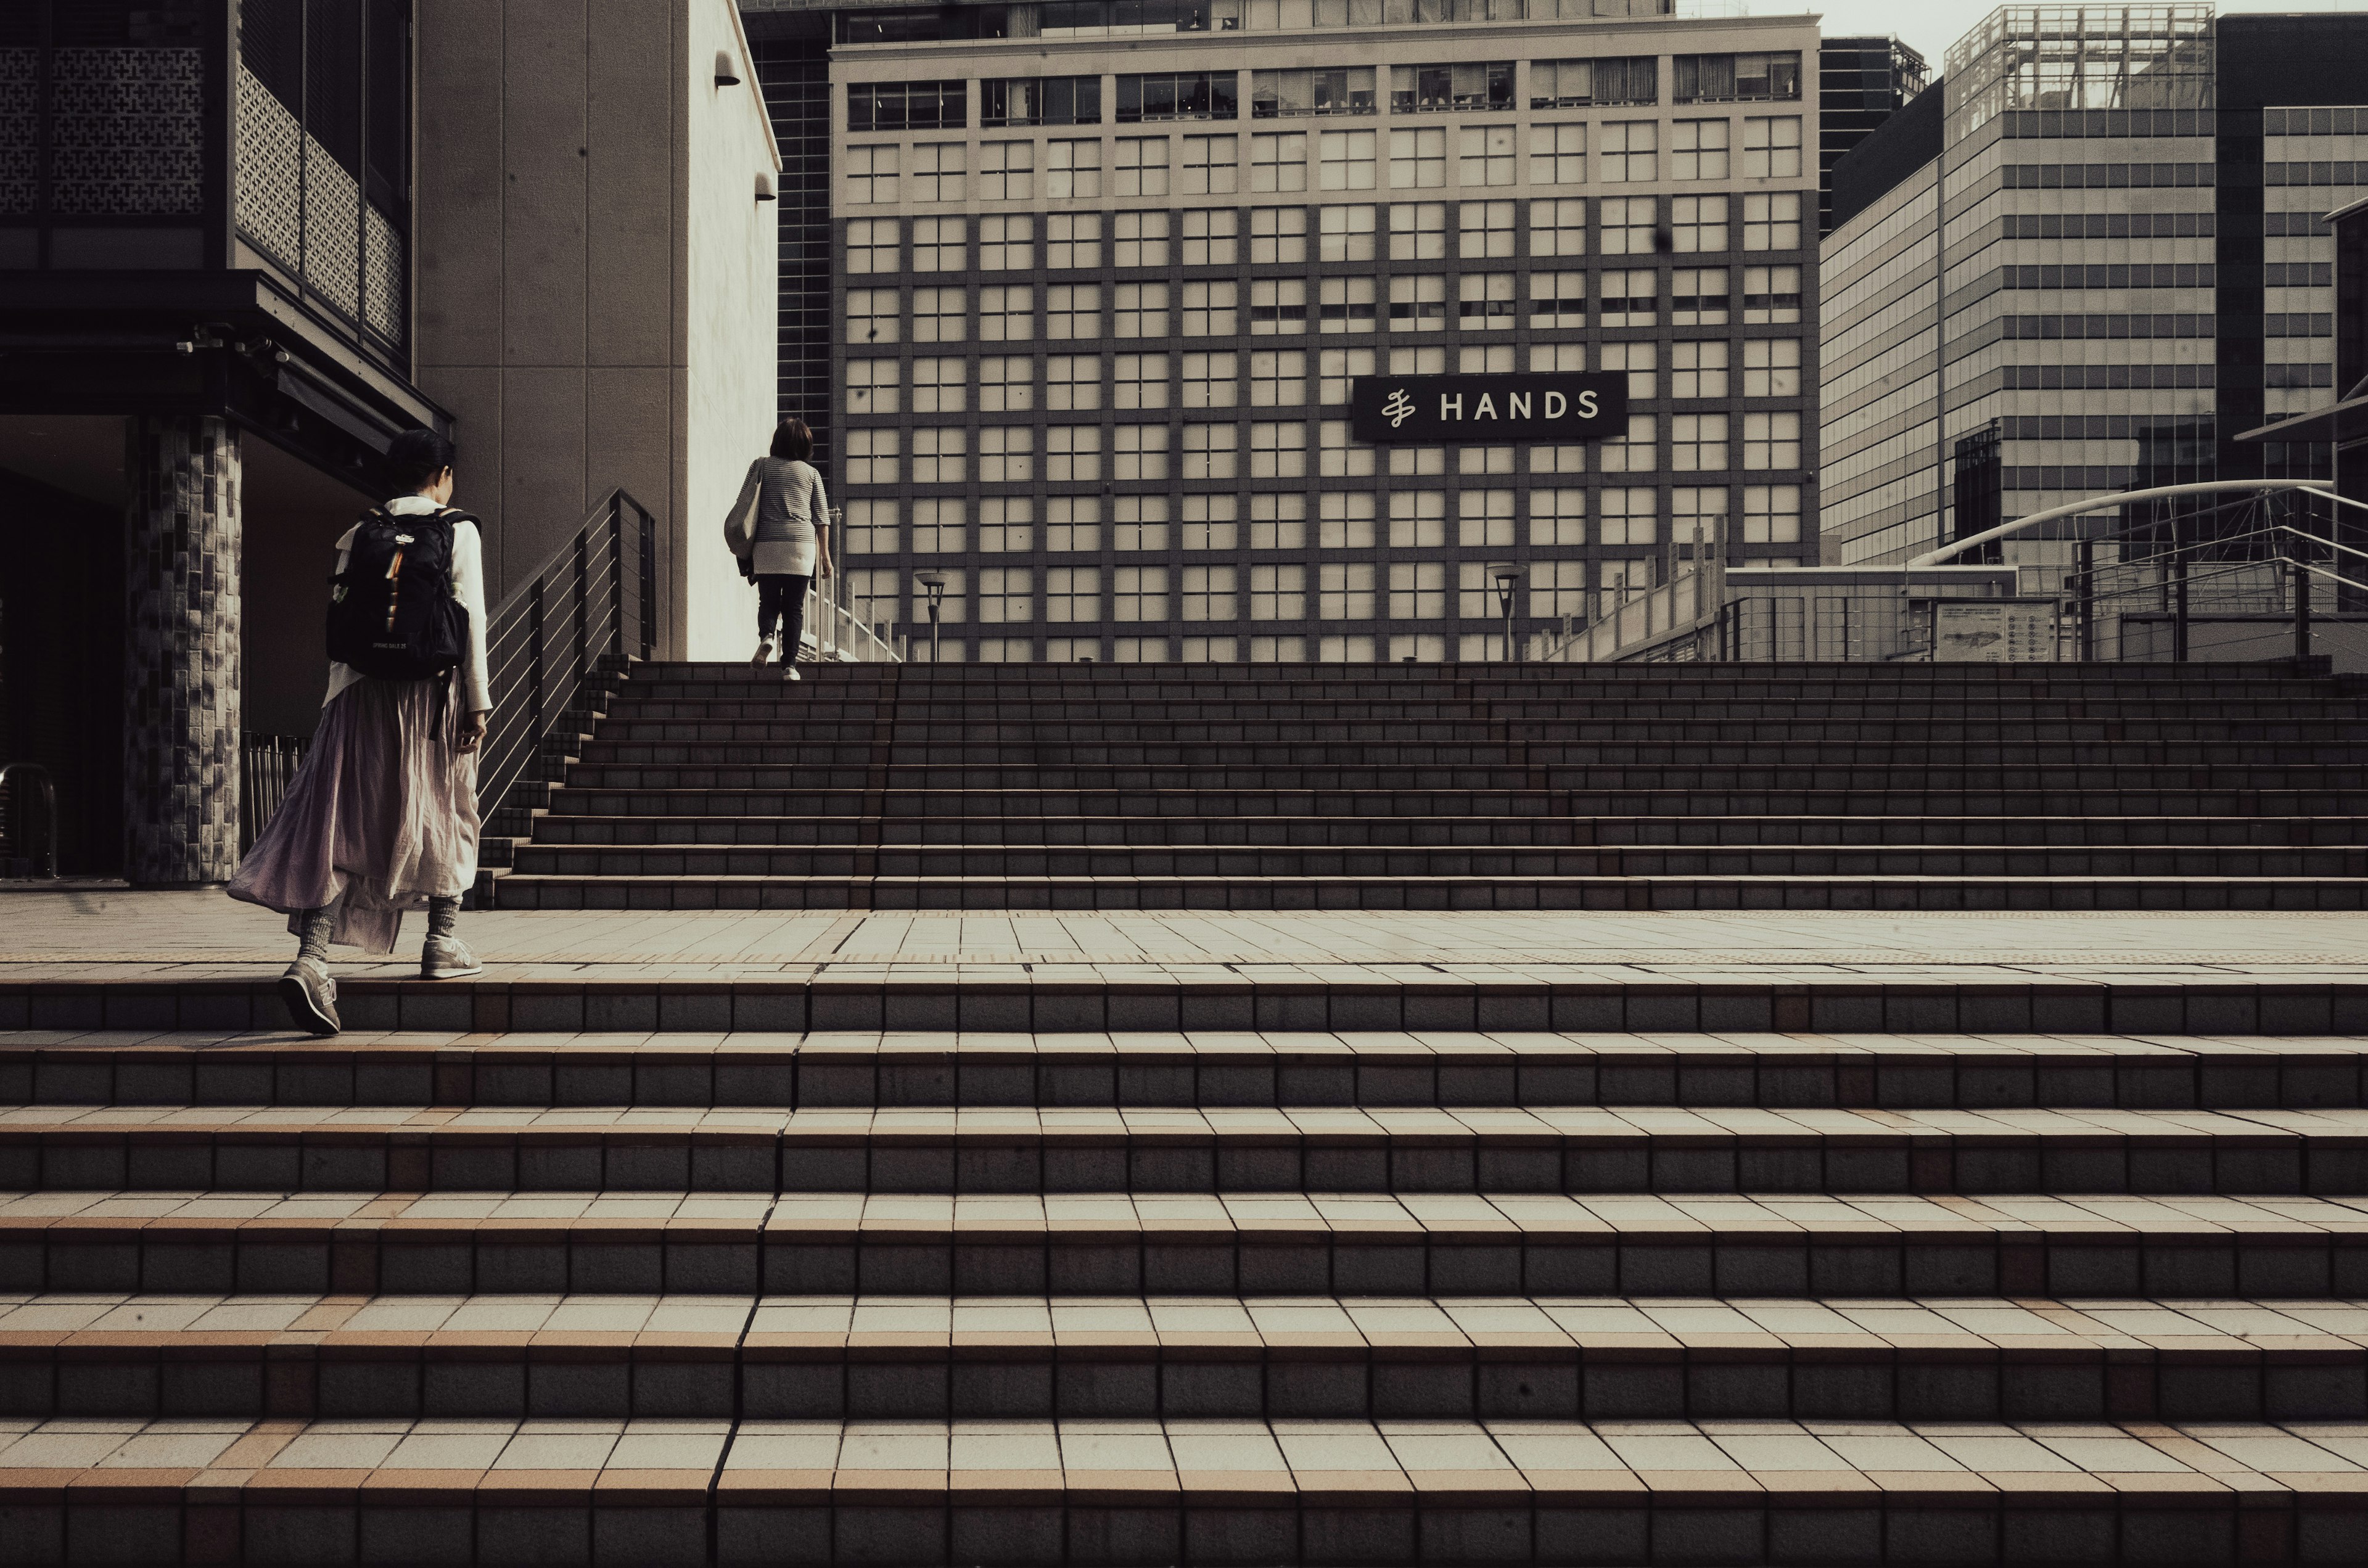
pixel 1556 405
pixel 1399 409
pixel 1517 405
pixel 1587 405
pixel 1450 407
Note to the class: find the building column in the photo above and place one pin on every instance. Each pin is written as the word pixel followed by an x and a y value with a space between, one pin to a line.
pixel 181 651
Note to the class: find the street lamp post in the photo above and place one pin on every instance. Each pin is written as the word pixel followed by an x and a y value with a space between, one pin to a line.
pixel 936 584
pixel 1508 582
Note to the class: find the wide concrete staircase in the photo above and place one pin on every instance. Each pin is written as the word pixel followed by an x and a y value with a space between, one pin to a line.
pixel 1455 786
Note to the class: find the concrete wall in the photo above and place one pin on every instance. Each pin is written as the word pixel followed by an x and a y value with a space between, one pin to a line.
pixel 577 169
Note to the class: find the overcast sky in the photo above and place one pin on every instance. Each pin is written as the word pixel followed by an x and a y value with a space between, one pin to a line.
pixel 1931 25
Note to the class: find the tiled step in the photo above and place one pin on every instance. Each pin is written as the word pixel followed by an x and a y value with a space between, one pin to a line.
pixel 1110 736
pixel 1146 1150
pixel 888 1358
pixel 1203 1492
pixel 1100 1244
pixel 2167 1072
pixel 1056 754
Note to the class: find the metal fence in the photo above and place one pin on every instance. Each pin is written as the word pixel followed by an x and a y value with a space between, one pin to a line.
pixel 267 766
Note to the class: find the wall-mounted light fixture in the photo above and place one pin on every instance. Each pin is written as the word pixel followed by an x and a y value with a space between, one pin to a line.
pixel 765 187
pixel 727 73
pixel 1508 583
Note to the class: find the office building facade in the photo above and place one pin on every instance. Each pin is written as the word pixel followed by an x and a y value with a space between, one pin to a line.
pixel 1106 277
pixel 1862 83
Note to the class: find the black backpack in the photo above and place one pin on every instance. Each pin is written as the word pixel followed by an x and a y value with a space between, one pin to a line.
pixel 392 613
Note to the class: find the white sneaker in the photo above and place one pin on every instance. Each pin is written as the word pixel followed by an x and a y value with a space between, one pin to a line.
pixel 444 957
pixel 311 997
pixel 790 672
pixel 764 653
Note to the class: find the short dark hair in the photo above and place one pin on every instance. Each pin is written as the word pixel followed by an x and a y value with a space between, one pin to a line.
pixel 792 440
pixel 416 456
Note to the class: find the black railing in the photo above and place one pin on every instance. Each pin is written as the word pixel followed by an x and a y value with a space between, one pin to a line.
pixel 267 766
pixel 595 600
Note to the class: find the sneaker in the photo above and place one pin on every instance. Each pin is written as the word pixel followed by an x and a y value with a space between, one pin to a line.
pixel 445 957
pixel 764 653
pixel 311 997
pixel 790 672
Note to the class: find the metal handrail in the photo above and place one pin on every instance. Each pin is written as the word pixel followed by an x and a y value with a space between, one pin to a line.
pixel 2105 503
pixel 49 806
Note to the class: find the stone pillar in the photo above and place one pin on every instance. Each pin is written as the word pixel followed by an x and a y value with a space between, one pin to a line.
pixel 181 651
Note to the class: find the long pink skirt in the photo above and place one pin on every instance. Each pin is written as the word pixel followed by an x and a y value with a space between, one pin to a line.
pixel 380 817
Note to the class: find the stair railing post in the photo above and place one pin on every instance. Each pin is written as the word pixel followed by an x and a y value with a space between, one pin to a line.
pixel 617 573
pixel 2179 607
pixel 2088 600
pixel 2301 609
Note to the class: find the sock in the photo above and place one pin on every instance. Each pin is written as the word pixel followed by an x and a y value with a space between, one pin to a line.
pixel 314 942
pixel 443 914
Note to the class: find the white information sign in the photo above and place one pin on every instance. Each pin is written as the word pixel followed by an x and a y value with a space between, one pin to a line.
pixel 1993 631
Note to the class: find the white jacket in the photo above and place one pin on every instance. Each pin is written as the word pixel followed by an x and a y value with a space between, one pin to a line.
pixel 468 586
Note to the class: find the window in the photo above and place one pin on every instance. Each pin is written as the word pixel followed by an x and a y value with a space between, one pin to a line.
pixel 1417 460
pixel 1771 294
pixel 1697 296
pixel 1697 443
pixel 1772 147
pixel 1346 233
pixel 937 386
pixel 1344 591
pixel 871 386
pixel 1142 239
pixel 1211 238
pixel 1771 219
pixel 1729 78
pixel 1139 452
pixel 1279 378
pixel 1484 517
pixel 1006 242
pixel 1339 455
pixel 1771 440
pixel 871 176
pixel 1278 593
pixel 1483 360
pixel 1622 581
pixel 1419 230
pixel 1417 519
pixel 1346 304
pixel 1697 225
pixel 1072 454
pixel 1557 590
pixel 1558 227
pixel 1073 239
pixel 1557 516
pixel 1277 522
pixel 940 315
pixel 1073 170
pixel 937 524
pixel 1434 90
pixel 1771 514
pixel 951 610
pixel 1005 384
pixel 1345 160
pixel 1771 367
pixel 1637 359
pixel 1208 523
pixel 1339 367
pixel 1071 523
pixel 941 244
pixel 1007 170
pixel 1211 310
pixel 1569 458
pixel 1558 355
pixel 1417 303
pixel 1628 155
pixel 1279 449
pixel 871 315
pixel 1139 593
pixel 1628 297
pixel 1073 311
pixel 1580 84
pixel 1698 370
pixel 1142 380
pixel 1417 590
pixel 870 528
pixel 1138 522
pixel 1041 100
pixel 1073 593
pixel 937 171
pixel 1558 154
pixel 1277 305
pixel 1628 516
pixel 1178 94
pixel 870 456
pixel 1005 313
pixel 1006 524
pixel 1557 299
pixel 1627 225
pixel 1006 595
pixel 871 244
pixel 1418 159
pixel 1484 229
pixel 1279 162
pixel 1631 453
pixel 1210 379
pixel 938 456
pixel 908 106
pixel 1140 310
pixel 1142 166
pixel 1209 450
pixel 1484 300
pixel 1006 455
pixel 1208 593
pixel 1339 90
pixel 1346 521
pixel 1279 236
pixel 1484 155
pixel 1698 149
pixel 1211 165
pixel 1073 381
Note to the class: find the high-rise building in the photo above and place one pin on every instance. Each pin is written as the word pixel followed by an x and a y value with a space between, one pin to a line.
pixel 1107 271
pixel 1862 82
pixel 2087 261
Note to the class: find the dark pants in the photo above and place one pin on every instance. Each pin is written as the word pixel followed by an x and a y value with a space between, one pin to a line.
pixel 782 599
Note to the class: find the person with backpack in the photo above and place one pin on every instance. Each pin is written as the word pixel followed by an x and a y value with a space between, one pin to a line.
pixel 381 816
pixel 780 530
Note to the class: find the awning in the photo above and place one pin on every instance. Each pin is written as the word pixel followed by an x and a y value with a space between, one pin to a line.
pixel 2344 422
